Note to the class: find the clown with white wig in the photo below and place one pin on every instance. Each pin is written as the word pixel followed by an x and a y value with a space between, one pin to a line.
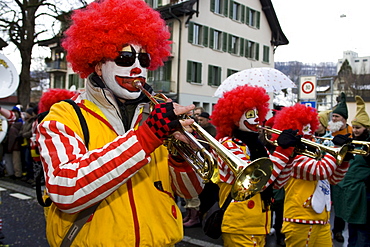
pixel 124 169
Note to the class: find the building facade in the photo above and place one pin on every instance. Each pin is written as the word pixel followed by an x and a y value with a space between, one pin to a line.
pixel 212 39
pixel 360 65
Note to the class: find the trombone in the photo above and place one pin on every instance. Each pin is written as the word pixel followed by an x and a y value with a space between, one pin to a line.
pixel 338 153
pixel 363 151
pixel 249 180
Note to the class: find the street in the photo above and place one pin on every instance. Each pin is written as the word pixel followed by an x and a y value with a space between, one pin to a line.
pixel 24 224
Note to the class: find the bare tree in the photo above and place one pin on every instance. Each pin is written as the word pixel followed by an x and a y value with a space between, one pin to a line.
pixel 24 22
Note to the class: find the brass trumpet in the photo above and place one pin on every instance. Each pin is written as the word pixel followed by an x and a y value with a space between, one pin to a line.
pixel 338 153
pixel 364 151
pixel 249 180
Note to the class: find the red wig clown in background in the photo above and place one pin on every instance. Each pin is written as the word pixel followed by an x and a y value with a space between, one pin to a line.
pixel 298 117
pixel 236 116
pixel 125 176
pixel 307 183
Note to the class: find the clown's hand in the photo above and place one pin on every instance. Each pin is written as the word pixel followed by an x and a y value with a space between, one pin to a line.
pixel 164 121
pixel 289 138
pixel 341 140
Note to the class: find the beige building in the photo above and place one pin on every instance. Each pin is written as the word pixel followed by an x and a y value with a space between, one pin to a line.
pixel 212 39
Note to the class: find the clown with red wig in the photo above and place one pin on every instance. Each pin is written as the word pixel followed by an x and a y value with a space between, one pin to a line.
pixel 237 116
pixel 307 183
pixel 125 169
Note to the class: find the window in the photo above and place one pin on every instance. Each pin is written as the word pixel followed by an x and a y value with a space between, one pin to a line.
pixel 74 79
pixel 59 81
pixel 154 3
pixel 266 54
pixel 197 34
pixel 214 75
pixel 160 79
pixel 231 71
pixel 252 50
pixel 253 18
pixel 233 44
pixel 219 6
pixel 215 39
pixel 235 11
pixel 194 72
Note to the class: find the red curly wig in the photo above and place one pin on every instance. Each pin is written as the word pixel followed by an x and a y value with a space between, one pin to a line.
pixel 295 117
pixel 99 32
pixel 233 104
pixel 53 96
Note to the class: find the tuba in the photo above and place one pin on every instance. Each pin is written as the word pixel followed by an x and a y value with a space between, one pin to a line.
pixel 249 180
pixel 9 81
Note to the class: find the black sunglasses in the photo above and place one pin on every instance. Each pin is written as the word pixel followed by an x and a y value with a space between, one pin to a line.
pixel 127 58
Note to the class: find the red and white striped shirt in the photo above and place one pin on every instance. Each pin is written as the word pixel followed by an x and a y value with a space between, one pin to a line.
pixel 306 168
pixel 239 149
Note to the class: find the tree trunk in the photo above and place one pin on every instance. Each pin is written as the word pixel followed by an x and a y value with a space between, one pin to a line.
pixel 24 89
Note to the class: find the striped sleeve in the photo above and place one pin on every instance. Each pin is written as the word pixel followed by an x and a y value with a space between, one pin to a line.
pixel 226 174
pixel 76 178
pixel 310 169
pixel 282 167
pixel 339 173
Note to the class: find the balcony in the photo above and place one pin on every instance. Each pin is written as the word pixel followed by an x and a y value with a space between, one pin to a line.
pixel 160 86
pixel 56 66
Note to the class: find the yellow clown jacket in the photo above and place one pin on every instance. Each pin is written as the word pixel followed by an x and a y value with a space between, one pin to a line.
pixel 128 171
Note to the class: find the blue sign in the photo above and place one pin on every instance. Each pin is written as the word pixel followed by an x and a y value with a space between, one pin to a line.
pixel 309 103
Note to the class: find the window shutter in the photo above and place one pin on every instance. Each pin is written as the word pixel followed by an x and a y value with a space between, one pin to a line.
pixel 229 42
pixel 212 5
pixel 242 16
pixel 199 72
pixel 190 32
pixel 241 47
pixel 247 16
pixel 168 67
pixel 210 75
pixel 257 51
pixel 211 37
pixel 258 19
pixel 159 3
pixel 224 42
pixel 231 9
pixel 218 76
pixel 205 36
pixel 246 54
pixel 226 8
pixel 188 71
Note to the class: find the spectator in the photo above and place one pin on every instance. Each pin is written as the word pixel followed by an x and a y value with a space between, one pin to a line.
pixel 352 197
pixel 204 122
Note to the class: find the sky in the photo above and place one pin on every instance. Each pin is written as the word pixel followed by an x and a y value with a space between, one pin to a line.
pixel 317 32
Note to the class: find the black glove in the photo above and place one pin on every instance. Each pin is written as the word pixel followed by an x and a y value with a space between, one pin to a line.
pixel 163 120
pixel 289 138
pixel 348 157
pixel 341 140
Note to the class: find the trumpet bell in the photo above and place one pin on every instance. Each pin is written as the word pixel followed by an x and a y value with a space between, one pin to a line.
pixel 252 179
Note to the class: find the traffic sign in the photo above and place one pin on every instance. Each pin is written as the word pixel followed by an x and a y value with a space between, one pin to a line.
pixel 309 103
pixel 307 87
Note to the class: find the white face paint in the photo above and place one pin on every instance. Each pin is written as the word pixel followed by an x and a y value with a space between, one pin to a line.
pixel 307 130
pixel 249 121
pixel 119 78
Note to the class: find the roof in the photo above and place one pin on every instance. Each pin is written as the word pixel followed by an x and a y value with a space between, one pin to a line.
pixel 278 37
